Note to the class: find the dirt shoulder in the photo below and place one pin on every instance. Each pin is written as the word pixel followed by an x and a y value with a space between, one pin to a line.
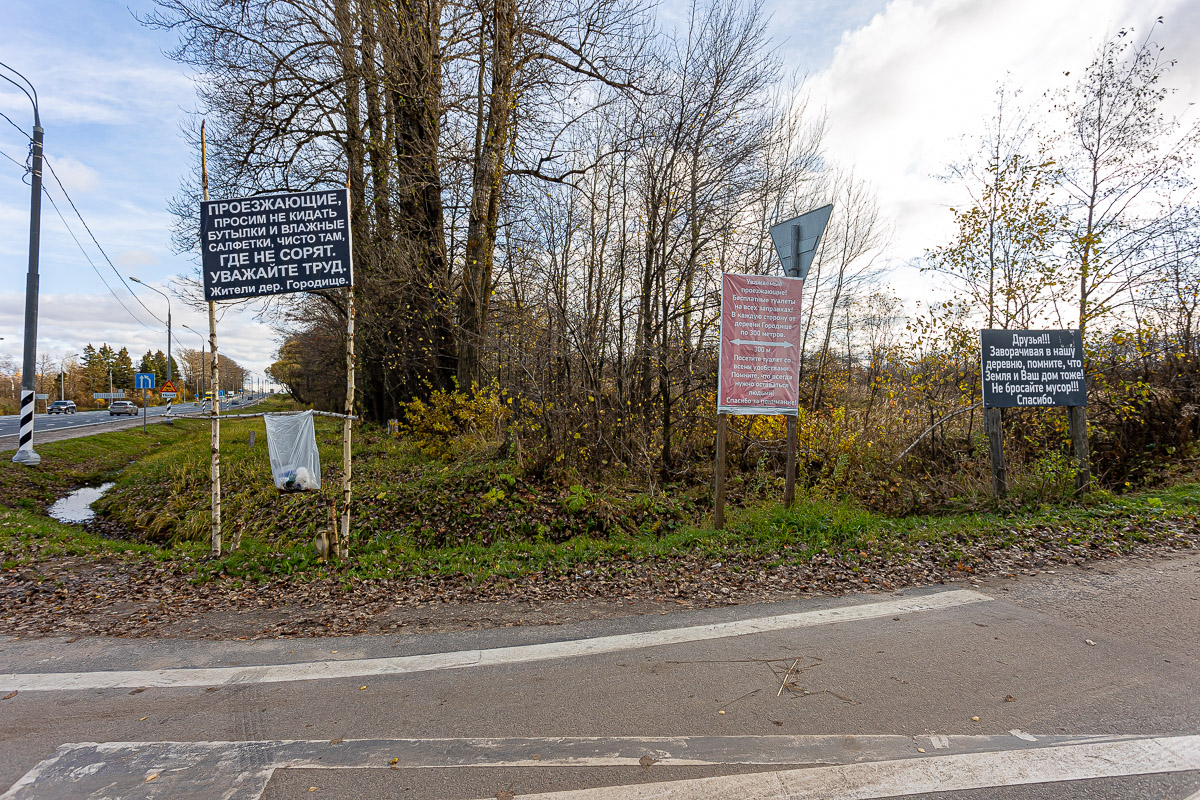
pixel 113 596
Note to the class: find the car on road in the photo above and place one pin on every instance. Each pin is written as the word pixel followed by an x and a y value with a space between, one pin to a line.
pixel 122 407
pixel 61 407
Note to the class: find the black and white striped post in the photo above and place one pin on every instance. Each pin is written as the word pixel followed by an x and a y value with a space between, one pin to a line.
pixel 25 453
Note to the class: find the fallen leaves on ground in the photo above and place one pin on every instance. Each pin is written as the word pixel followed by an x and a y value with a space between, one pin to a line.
pixel 128 597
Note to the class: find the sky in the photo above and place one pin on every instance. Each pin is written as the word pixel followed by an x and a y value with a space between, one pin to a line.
pixel 907 86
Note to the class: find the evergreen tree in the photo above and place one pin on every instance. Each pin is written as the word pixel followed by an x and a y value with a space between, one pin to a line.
pixel 94 370
pixel 122 370
pixel 160 368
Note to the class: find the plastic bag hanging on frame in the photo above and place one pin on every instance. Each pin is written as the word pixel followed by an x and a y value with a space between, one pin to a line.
pixel 292 445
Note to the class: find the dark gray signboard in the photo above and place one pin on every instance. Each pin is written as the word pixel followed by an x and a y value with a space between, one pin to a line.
pixel 275 244
pixel 796 240
pixel 1032 368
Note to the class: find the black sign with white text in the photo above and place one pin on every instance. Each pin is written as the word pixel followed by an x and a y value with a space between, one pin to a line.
pixel 1024 369
pixel 275 244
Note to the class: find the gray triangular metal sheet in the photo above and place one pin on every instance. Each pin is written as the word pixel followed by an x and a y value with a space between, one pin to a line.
pixel 812 225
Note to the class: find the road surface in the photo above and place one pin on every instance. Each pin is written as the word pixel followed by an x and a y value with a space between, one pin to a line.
pixel 51 427
pixel 1073 684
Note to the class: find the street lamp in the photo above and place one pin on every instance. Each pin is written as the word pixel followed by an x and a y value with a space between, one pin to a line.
pixel 203 344
pixel 168 299
pixel 25 453
pixel 62 374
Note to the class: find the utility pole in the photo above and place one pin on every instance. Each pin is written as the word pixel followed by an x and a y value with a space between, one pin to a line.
pixel 25 453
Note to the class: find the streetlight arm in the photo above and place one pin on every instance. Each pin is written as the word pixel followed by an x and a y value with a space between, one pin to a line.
pixel 203 344
pixel 168 299
pixel 37 121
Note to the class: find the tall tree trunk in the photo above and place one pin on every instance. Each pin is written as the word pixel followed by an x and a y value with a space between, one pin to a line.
pixel 486 185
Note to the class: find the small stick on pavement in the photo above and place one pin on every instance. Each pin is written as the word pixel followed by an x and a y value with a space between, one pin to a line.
pixel 736 699
pixel 785 677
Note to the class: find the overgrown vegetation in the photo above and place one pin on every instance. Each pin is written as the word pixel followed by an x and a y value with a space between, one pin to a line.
pixel 473 514
pixel 546 195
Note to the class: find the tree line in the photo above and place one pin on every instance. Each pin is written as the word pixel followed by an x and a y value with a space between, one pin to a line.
pixel 546 193
pixel 105 369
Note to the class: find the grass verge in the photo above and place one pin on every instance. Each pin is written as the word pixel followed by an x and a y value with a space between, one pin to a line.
pixel 421 518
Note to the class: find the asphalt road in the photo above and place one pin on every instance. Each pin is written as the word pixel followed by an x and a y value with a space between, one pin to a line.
pixel 50 427
pixel 1071 684
pixel 10 425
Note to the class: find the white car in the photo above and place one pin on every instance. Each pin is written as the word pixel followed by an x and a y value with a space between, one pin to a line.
pixel 122 407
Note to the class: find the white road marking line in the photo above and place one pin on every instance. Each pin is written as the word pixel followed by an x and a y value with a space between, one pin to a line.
pixel 1020 734
pixel 1195 796
pixel 321 670
pixel 212 769
pixel 949 773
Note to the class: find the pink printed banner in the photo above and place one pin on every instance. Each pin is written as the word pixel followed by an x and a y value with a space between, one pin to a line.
pixel 759 371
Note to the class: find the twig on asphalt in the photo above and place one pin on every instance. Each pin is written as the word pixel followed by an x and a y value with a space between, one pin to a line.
pixel 743 697
pixel 786 676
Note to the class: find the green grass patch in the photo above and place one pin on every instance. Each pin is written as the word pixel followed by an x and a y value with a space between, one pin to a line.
pixel 84 461
pixel 27 537
pixel 414 515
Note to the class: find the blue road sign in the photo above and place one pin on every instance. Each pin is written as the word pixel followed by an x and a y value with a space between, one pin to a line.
pixel 144 380
pixel 220 392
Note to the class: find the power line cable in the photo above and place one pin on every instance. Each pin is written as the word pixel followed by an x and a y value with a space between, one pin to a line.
pixel 97 243
pixel 24 167
pixel 15 125
pixel 92 264
pixel 80 246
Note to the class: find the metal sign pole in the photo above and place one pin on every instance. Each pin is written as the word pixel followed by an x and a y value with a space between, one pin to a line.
pixel 145 410
pixel 215 408
pixel 796 254
pixel 789 486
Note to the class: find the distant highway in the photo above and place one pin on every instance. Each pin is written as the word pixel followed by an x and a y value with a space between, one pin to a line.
pixel 54 426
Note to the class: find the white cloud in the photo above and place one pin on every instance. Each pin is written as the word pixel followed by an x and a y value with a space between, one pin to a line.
pixel 77 177
pixel 68 321
pixel 135 257
pixel 909 93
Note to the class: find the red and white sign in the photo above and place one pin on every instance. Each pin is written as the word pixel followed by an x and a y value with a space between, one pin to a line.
pixel 759 370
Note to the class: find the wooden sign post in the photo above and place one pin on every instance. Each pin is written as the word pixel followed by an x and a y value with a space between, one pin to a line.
pixel 759 368
pixel 267 244
pixel 719 499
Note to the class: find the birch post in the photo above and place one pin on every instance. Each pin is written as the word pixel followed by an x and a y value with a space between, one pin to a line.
pixel 347 460
pixel 213 378
pixel 347 463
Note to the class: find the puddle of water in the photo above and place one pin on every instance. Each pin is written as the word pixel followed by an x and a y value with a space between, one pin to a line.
pixel 77 506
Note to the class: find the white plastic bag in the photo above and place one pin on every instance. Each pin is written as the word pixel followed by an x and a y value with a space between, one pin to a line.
pixel 292 445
